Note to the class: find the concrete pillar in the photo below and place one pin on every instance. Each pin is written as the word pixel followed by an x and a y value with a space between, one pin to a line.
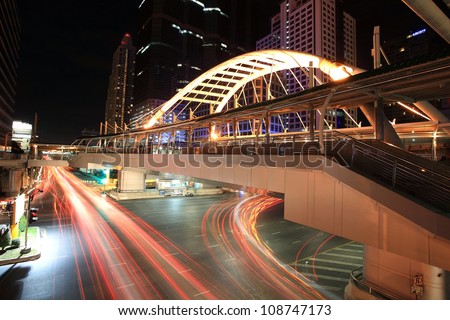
pixel 235 129
pixel 434 147
pixel 312 120
pixel 190 134
pixel 131 180
pixel 390 135
pixel 267 120
pixel 379 119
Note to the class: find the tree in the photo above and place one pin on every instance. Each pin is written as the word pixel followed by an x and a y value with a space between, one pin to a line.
pixel 5 238
pixel 15 148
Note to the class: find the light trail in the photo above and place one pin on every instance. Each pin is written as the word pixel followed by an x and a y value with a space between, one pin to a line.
pixel 114 243
pixel 232 225
pixel 120 256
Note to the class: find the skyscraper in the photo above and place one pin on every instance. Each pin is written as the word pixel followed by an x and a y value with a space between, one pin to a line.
pixel 119 103
pixel 9 56
pixel 178 40
pixel 422 43
pixel 318 27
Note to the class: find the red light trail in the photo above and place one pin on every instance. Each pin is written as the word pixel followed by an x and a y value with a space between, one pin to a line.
pixel 121 256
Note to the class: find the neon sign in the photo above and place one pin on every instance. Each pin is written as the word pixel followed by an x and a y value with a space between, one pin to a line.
pixel 417 33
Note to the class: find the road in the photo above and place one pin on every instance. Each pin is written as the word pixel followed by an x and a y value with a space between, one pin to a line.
pixel 234 246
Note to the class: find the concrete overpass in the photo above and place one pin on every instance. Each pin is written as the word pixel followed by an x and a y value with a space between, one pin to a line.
pixel 47 163
pixel 402 237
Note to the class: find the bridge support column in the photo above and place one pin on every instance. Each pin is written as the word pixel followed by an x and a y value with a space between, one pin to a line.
pixel 312 120
pixel 190 134
pixel 390 134
pixel 159 142
pixel 131 180
pixel 379 119
pixel 267 120
pixel 235 130
pixel 403 277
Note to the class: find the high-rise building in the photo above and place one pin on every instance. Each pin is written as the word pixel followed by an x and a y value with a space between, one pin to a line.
pixel 9 56
pixel 22 133
pixel 419 44
pixel 318 27
pixel 178 40
pixel 119 103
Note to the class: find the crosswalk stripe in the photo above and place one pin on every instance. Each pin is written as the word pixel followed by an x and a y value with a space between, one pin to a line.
pixel 339 279
pixel 326 268
pixel 341 255
pixel 330 288
pixel 339 262
pixel 355 245
pixel 349 250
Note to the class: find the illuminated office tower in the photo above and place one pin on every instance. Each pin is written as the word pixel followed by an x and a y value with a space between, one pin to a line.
pixel 178 40
pixel 318 27
pixel 119 103
pixel 9 56
pixel 420 44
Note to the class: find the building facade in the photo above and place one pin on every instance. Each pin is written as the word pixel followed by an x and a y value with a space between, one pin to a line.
pixel 420 44
pixel 178 40
pixel 119 103
pixel 9 56
pixel 321 28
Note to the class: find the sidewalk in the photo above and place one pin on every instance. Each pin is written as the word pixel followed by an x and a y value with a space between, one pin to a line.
pixel 13 256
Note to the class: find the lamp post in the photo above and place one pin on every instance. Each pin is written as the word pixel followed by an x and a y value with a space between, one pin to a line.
pixel 27 249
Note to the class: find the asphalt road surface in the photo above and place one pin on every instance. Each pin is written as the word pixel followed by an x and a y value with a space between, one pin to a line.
pixel 232 246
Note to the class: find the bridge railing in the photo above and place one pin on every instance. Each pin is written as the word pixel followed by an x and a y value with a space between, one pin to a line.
pixel 419 179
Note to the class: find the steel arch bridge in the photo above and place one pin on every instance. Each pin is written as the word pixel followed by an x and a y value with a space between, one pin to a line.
pixel 225 82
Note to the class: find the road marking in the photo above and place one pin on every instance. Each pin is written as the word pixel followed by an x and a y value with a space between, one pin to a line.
pixel 213 246
pixel 355 245
pixel 274 233
pixel 348 270
pixel 349 250
pixel 341 255
pixel 310 275
pixel 200 235
pixel 117 264
pixel 331 288
pixel 126 286
pixel 232 259
pixel 201 293
pixel 184 271
pixel 338 262
pixel 171 254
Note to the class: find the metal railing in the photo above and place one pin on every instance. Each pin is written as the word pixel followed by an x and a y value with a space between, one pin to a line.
pixel 357 279
pixel 419 179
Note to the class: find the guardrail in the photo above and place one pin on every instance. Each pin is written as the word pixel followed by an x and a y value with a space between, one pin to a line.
pixel 357 279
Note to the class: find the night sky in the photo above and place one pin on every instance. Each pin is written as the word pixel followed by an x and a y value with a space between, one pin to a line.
pixel 67 47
